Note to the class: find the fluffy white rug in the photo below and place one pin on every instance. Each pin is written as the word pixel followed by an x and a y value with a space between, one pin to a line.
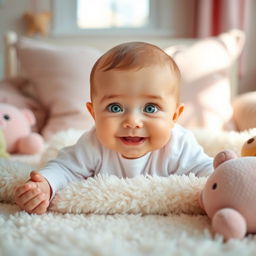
pixel 111 216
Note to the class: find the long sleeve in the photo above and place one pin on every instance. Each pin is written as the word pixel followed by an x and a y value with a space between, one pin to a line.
pixel 188 155
pixel 73 163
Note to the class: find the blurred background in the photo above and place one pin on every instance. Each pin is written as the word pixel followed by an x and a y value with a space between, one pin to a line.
pixel 212 41
pixel 100 21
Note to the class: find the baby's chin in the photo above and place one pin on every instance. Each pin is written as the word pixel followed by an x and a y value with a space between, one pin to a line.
pixel 133 156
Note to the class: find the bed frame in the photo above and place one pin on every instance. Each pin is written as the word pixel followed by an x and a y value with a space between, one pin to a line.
pixel 10 58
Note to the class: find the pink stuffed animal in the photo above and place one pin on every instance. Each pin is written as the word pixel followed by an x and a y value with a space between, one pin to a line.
pixel 229 196
pixel 16 126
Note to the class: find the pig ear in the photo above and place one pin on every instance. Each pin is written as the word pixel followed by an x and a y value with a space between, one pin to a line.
pixel 29 116
pixel 223 156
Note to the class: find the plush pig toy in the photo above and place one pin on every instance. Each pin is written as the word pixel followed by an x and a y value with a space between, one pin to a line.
pixel 16 126
pixel 229 195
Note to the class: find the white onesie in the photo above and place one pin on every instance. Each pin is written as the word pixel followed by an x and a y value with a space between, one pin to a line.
pixel 181 155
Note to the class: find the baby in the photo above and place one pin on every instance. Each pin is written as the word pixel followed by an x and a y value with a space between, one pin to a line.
pixel 135 105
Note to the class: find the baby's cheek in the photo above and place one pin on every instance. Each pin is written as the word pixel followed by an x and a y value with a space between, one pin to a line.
pixel 106 131
pixel 160 134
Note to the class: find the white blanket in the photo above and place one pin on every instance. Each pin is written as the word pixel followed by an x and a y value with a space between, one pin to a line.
pixel 111 216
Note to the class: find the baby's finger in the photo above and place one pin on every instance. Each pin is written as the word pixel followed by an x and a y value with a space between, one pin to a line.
pixel 41 208
pixel 36 176
pixel 29 195
pixel 34 202
pixel 24 188
pixel 19 204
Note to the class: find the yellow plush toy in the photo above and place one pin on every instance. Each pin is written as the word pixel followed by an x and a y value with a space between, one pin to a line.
pixel 37 23
pixel 249 147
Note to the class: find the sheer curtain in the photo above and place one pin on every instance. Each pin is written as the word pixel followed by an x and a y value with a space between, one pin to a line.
pixel 217 16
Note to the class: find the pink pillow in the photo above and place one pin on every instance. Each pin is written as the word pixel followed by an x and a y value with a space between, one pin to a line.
pixel 60 80
pixel 206 90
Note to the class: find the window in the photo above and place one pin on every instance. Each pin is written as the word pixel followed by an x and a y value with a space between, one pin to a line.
pixel 112 14
pixel 113 17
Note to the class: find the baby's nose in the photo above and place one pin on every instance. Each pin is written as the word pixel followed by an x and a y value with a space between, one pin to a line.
pixel 133 120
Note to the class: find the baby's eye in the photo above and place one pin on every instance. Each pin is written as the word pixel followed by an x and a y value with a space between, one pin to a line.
pixel 114 108
pixel 150 108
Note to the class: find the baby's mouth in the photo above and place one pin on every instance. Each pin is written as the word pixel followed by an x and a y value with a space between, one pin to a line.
pixel 129 140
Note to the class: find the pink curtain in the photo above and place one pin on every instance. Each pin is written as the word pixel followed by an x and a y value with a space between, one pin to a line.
pixel 216 16
pixel 213 17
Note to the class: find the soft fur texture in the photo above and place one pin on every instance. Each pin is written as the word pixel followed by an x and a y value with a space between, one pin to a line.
pixel 111 195
pixel 139 216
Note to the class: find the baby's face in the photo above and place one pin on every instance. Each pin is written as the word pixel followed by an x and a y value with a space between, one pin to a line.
pixel 134 110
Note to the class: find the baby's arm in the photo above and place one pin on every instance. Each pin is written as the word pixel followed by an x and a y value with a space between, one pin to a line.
pixel 34 195
pixel 187 155
pixel 194 159
pixel 73 163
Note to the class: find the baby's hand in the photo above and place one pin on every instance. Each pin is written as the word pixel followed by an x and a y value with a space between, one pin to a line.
pixel 34 195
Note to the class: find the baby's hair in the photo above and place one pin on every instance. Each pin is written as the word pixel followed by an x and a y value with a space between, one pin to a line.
pixel 134 55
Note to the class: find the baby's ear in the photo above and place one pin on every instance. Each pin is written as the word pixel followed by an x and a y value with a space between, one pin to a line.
pixel 178 112
pixel 90 109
